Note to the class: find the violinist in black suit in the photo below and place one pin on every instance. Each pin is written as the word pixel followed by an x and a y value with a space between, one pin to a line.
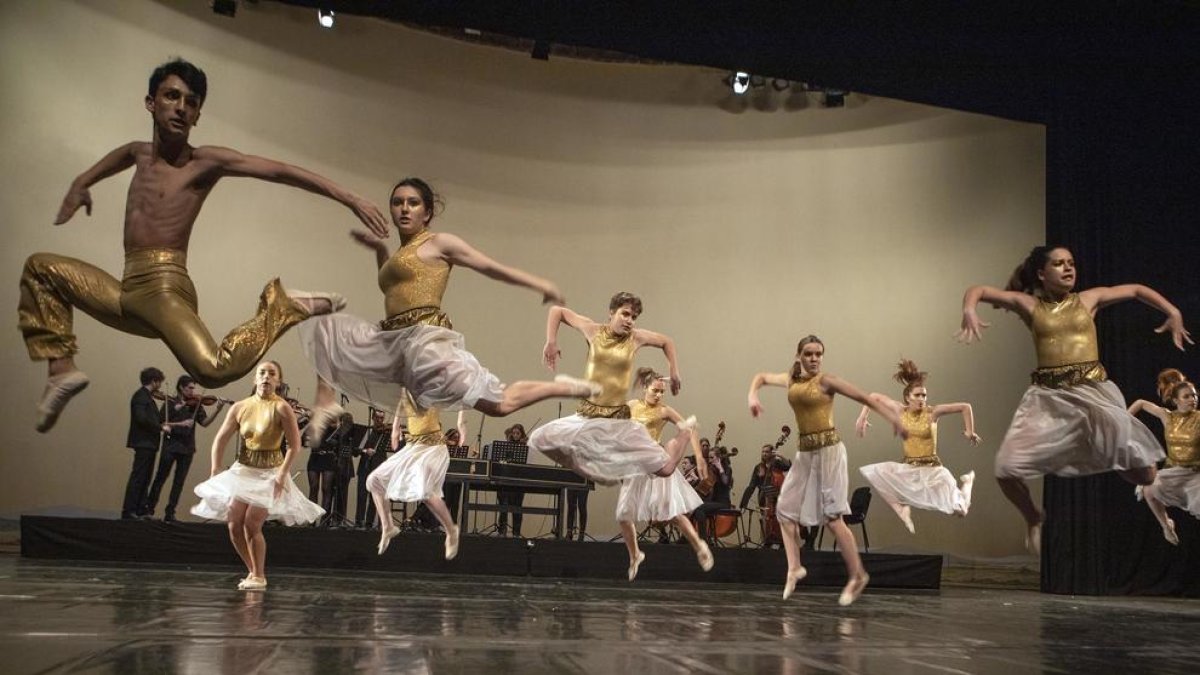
pixel 145 431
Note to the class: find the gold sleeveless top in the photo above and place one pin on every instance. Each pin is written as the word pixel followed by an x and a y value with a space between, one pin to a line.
pixel 1064 335
pixel 412 288
pixel 424 427
pixel 649 416
pixel 261 431
pixel 1183 439
pixel 921 447
pixel 610 363
pixel 814 414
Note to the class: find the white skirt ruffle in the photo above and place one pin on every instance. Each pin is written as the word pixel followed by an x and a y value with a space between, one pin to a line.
pixel 648 498
pixel 814 490
pixel 1077 431
pixel 600 449
pixel 413 474
pixel 1177 486
pixel 931 488
pixel 374 365
pixel 255 487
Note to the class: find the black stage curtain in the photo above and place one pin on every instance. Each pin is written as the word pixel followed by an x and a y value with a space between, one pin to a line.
pixel 1123 191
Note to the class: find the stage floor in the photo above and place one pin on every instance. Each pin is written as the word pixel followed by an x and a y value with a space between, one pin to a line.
pixel 62 617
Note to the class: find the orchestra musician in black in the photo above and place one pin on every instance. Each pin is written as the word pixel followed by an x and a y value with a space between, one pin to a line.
pixel 511 496
pixel 183 412
pixel 145 431
pixel 374 448
pixel 720 496
pixel 760 479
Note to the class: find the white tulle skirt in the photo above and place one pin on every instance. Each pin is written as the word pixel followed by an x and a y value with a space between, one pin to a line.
pixel 1177 486
pixel 656 498
pixel 412 474
pixel 255 487
pixel 814 490
pixel 1077 431
pixel 374 365
pixel 601 449
pixel 931 488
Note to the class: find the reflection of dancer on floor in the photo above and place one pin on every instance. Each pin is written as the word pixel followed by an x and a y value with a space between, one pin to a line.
pixel 814 491
pixel 919 481
pixel 1178 484
pixel 1072 420
pixel 257 486
pixel 654 498
pixel 414 349
pixel 599 441
pixel 415 473
pixel 156 299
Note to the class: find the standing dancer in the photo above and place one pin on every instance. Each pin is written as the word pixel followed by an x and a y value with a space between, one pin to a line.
pixel 414 473
pixel 600 441
pixel 414 349
pixel 814 491
pixel 1178 484
pixel 257 487
pixel 651 498
pixel 156 299
pixel 920 480
pixel 1072 420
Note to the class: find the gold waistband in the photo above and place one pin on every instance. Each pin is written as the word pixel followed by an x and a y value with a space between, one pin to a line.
pixel 926 460
pixel 138 259
pixel 612 412
pixel 260 459
pixel 429 316
pixel 435 438
pixel 817 440
pixel 1061 377
pixel 1194 465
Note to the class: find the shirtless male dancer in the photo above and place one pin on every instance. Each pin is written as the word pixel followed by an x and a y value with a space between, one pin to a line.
pixel 155 298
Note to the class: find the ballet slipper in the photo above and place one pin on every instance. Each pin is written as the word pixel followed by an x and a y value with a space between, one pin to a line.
pixel 633 566
pixel 385 538
pixel 60 389
pixel 905 514
pixel 704 556
pixel 1169 533
pixel 579 388
pixel 689 424
pixel 322 417
pixel 789 586
pixel 309 300
pixel 253 584
pixel 1033 539
pixel 853 589
pixel 452 543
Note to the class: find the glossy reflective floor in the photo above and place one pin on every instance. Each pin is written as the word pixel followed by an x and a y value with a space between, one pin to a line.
pixel 63 618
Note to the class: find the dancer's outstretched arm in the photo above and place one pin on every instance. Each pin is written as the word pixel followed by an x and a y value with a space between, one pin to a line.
pixel 758 382
pixel 229 427
pixel 831 384
pixel 648 338
pixel 78 195
pixel 374 243
pixel 972 326
pixel 461 425
pixel 218 162
pixel 455 251
pixel 1156 410
pixel 560 315
pixel 862 423
pixel 968 418
pixel 1103 296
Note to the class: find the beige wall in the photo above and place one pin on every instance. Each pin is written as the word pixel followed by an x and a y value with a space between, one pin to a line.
pixel 743 232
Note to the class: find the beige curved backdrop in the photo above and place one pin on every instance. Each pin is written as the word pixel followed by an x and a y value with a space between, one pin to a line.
pixel 743 232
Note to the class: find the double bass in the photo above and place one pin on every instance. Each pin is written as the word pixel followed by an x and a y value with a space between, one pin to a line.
pixel 705 487
pixel 772 532
pixel 721 524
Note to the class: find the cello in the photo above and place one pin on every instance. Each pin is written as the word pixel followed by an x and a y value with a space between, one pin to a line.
pixel 772 533
pixel 705 487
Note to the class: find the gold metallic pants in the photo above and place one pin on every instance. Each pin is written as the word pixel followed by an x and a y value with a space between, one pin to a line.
pixel 155 299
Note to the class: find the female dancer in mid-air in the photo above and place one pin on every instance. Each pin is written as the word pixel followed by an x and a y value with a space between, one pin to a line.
pixel 1072 420
pixel 814 491
pixel 1178 484
pixel 919 481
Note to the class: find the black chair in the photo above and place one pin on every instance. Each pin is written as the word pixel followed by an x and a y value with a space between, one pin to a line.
pixel 860 501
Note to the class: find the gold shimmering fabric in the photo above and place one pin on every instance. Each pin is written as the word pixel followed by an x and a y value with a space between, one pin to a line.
pixel 155 299
pixel 813 407
pixel 610 364
pixel 1064 333
pixel 612 412
pixel 428 316
pixel 920 449
pixel 410 283
pixel 1063 377
pixel 422 424
pixel 817 440
pixel 649 416
pixel 1183 439
pixel 261 431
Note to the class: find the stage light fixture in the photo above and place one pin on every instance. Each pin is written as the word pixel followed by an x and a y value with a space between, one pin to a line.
pixel 225 7
pixel 780 84
pixel 833 98
pixel 325 18
pixel 740 82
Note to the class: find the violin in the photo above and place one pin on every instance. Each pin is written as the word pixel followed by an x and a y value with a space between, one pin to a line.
pixel 205 399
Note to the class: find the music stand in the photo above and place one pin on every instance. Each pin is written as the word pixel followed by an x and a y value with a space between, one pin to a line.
pixel 348 443
pixel 458 451
pixel 507 451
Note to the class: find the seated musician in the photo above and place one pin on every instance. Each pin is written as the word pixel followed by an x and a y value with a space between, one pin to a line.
pixel 511 496
pixel 719 498
pixel 760 479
